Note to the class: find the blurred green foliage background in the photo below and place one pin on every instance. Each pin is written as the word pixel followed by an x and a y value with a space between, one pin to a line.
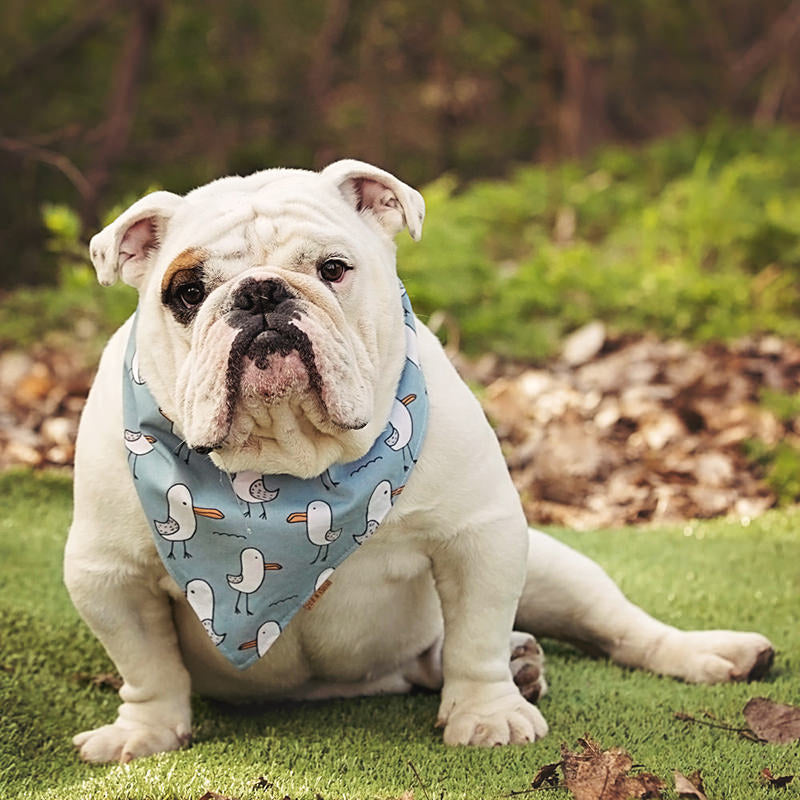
pixel 696 236
pixel 634 162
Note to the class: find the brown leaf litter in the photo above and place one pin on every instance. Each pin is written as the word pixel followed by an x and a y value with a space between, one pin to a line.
pixel 41 396
pixel 644 430
pixel 768 721
pixel 615 431
pixel 597 774
pixel 769 779
pixel 773 722
pixel 215 796
pixel 103 680
pixel 691 786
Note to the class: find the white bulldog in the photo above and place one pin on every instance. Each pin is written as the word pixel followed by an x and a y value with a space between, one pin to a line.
pixel 433 597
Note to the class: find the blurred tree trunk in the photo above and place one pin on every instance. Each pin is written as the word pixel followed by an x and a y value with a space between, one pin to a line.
pixel 320 78
pixel 780 38
pixel 122 100
pixel 444 74
pixel 372 146
pixel 579 117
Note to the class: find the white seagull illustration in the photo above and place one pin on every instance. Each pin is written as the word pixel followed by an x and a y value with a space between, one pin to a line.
pixel 201 598
pixel 249 487
pixel 327 479
pixel 138 444
pixel 181 524
pixel 135 374
pixel 402 426
pixel 379 505
pixel 412 346
pixel 268 632
pixel 319 519
pixel 251 577
pixel 177 451
pixel 323 578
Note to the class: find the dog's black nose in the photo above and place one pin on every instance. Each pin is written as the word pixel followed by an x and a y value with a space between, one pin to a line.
pixel 261 296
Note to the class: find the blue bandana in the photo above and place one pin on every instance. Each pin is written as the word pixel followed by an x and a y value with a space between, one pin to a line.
pixel 251 550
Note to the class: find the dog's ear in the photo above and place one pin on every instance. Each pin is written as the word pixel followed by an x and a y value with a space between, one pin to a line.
pixel 126 246
pixel 394 204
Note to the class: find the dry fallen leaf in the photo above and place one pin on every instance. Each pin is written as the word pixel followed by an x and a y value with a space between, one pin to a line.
pixel 691 786
pixel 597 774
pixel 216 796
pixel 103 680
pixel 546 774
pixel 770 780
pixel 109 679
pixel 652 784
pixel 773 722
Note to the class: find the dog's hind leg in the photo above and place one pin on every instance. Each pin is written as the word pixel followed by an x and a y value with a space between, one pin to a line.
pixel 527 666
pixel 526 661
pixel 568 596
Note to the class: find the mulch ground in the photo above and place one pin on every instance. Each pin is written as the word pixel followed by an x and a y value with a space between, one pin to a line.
pixel 614 431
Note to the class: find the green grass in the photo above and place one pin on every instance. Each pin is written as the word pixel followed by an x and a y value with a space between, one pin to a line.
pixel 705 574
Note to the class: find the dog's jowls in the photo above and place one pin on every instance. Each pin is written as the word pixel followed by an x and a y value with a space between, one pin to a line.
pixel 433 597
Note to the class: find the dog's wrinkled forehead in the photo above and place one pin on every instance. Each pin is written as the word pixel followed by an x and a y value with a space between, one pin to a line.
pixel 285 230
pixel 257 215
pixel 238 223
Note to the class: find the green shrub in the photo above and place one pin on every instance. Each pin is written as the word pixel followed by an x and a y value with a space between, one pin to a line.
pixel 77 308
pixel 696 236
pixel 780 465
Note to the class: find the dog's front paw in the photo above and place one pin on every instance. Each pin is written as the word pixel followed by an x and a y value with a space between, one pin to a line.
pixel 123 741
pixel 712 656
pixel 487 715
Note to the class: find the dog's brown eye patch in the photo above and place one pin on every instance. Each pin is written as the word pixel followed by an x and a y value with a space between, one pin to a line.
pixel 182 287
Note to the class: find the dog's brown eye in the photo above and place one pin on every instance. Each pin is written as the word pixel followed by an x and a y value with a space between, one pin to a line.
pixel 183 288
pixel 333 270
pixel 190 294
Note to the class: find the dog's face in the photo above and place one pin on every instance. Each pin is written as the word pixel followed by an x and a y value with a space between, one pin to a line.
pixel 270 325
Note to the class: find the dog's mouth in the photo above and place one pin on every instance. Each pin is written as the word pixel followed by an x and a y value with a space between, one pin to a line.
pixel 271 357
pixel 269 367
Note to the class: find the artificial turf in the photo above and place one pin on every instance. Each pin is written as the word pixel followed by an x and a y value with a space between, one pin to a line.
pixel 705 574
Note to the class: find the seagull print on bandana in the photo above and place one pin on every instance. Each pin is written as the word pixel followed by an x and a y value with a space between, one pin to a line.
pixel 379 505
pixel 266 635
pixel 318 518
pixel 137 444
pixel 181 523
pixel 201 598
pixel 242 599
pixel 250 488
pixel 402 424
pixel 250 577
